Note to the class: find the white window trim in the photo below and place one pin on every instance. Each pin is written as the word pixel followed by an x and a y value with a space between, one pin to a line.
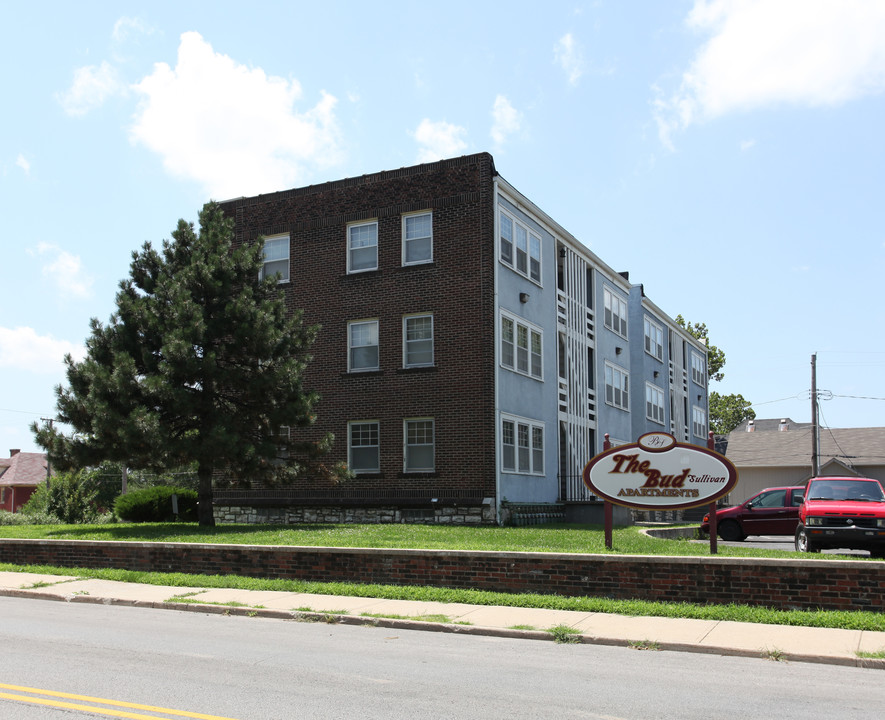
pixel 698 369
pixel 405 218
pixel 530 331
pixel 350 346
pixel 406 445
pixel 271 238
pixel 657 402
pixel 698 422
pixel 609 298
pixel 351 226
pixel 531 427
pixel 514 263
pixel 406 318
pixel 350 446
pixel 655 339
pixel 626 393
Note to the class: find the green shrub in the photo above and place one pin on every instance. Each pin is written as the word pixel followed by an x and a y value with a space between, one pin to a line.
pixel 20 518
pixel 154 504
pixel 70 499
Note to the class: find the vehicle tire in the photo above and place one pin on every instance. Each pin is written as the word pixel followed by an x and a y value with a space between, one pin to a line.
pixel 803 542
pixel 730 531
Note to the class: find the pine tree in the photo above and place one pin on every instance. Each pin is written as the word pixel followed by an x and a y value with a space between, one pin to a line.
pixel 200 365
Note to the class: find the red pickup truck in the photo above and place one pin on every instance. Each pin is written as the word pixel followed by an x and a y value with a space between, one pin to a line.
pixel 842 512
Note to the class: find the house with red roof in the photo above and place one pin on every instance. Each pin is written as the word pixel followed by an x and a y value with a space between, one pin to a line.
pixel 20 474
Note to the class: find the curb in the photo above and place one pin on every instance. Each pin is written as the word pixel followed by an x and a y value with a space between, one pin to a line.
pixel 672 533
pixel 426 626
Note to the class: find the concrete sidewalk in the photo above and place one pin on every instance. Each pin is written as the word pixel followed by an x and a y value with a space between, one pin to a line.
pixel 775 642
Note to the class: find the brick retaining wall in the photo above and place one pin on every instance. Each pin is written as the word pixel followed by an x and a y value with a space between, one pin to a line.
pixel 787 584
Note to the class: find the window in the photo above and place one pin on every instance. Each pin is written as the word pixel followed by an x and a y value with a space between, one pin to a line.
pixel 615 312
pixel 362 345
pixel 522 249
pixel 418 341
pixel 419 445
pixel 276 257
pixel 363 451
pixel 654 339
pixel 417 238
pixel 617 387
pixel 699 422
pixel 528 248
pixel 773 499
pixel 522 446
pixel 506 240
pixel 507 342
pixel 698 369
pixel 535 258
pixel 654 403
pixel 522 347
pixel 362 247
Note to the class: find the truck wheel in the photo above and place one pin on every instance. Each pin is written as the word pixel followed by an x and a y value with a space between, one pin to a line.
pixel 730 531
pixel 803 543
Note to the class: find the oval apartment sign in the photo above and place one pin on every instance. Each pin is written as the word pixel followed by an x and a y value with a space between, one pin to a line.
pixel 659 473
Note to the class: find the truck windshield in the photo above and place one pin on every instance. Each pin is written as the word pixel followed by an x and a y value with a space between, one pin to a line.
pixel 846 490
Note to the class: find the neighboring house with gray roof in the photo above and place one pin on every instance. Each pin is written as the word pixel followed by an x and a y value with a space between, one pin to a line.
pixel 20 474
pixel 771 453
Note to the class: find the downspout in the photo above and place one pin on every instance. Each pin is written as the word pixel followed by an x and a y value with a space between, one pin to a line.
pixel 497 350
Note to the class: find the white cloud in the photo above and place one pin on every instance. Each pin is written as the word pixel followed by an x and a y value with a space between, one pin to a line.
pixel 66 272
pixel 125 27
pixel 22 348
pixel 768 52
pixel 569 57
pixel 231 128
pixel 22 162
pixel 91 87
pixel 747 144
pixel 506 120
pixel 439 140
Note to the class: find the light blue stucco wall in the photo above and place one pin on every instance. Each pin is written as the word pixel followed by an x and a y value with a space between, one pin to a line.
pixel 644 366
pixel 519 395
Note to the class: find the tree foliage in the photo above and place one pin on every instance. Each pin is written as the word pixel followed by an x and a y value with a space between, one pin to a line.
pixel 715 356
pixel 200 365
pixel 726 411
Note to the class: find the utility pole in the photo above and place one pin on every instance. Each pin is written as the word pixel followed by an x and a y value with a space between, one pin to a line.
pixel 815 431
pixel 48 450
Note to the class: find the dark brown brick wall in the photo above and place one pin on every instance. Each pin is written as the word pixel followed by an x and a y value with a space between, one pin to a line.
pixel 458 288
pixel 785 584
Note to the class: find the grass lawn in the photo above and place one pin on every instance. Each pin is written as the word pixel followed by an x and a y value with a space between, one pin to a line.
pixel 538 538
pixel 545 538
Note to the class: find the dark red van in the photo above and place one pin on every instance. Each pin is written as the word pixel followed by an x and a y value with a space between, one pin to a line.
pixel 774 511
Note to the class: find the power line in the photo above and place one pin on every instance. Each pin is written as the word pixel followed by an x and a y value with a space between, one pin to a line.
pixel 769 402
pixel 858 397
pixel 23 412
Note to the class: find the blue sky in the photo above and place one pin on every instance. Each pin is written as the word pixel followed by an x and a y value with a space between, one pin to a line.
pixel 729 154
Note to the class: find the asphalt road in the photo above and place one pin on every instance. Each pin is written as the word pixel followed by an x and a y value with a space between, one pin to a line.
pixel 782 542
pixel 164 663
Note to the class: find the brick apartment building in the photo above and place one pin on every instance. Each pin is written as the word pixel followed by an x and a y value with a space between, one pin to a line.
pixel 472 353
